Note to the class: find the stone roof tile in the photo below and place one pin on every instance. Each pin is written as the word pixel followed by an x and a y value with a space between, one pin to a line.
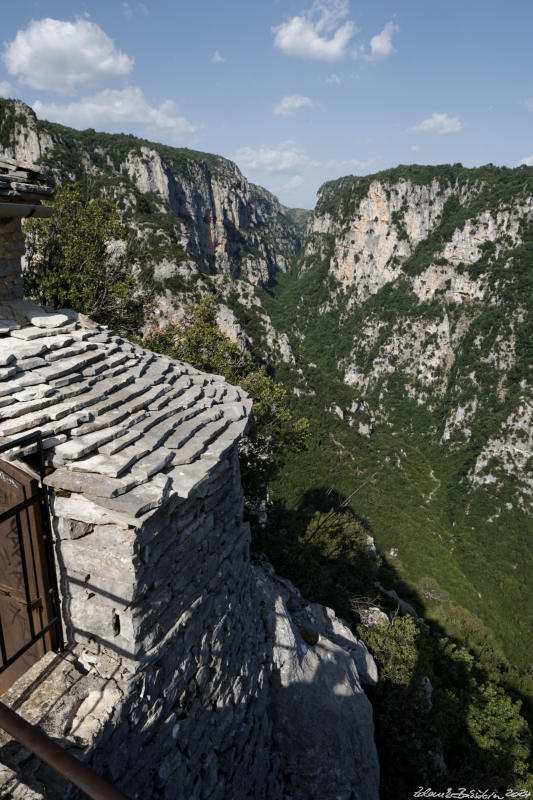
pixel 123 428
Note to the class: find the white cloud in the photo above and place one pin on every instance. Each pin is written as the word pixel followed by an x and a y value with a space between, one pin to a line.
pixel 528 103
pixel 292 184
pixel 348 163
pixel 415 148
pixel 438 123
pixel 381 44
pixel 291 103
pixel 217 58
pixel 113 107
pixel 358 164
pixel 333 78
pixel 285 158
pixel 6 89
pixel 527 161
pixel 318 33
pixel 59 56
pixel 128 10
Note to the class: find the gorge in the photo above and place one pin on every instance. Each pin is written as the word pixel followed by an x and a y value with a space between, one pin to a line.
pixel 398 316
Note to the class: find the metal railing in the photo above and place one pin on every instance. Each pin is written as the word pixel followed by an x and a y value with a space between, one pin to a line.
pixel 63 762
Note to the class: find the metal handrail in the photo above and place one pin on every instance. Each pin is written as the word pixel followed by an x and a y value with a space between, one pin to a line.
pixel 63 762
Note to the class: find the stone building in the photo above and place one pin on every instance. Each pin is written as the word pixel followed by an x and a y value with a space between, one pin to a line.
pixel 184 674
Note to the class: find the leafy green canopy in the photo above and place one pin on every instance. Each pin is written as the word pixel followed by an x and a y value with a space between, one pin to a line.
pixel 82 258
pixel 198 340
pixel 443 715
pixel 438 714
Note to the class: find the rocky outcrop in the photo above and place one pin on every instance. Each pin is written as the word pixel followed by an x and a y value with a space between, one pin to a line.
pixel 501 228
pixel 509 454
pixel 208 215
pixel 422 349
pixel 453 286
pixel 316 697
pixel 229 225
pixel 24 140
pixel 385 226
pixel 382 232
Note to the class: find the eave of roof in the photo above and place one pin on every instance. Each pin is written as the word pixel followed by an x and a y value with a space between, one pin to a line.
pixel 123 428
pixel 22 182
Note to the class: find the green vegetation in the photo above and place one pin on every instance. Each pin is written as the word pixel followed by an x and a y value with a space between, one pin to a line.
pixel 497 184
pixel 198 340
pixel 300 218
pixel 115 146
pixel 69 262
pixel 323 547
pixel 440 717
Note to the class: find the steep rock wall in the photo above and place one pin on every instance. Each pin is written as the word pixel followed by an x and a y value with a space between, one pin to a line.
pixel 384 229
pixel 215 220
pixel 434 264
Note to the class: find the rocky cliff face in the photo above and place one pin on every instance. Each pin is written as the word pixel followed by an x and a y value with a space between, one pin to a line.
pixel 446 249
pixel 380 233
pixel 228 226
pixel 20 134
pixel 197 212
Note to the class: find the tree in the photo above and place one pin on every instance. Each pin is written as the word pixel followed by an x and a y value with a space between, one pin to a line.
pixel 273 429
pixel 395 649
pixel 81 258
pixel 498 729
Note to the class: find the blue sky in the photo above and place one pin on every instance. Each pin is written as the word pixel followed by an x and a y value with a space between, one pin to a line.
pixel 296 92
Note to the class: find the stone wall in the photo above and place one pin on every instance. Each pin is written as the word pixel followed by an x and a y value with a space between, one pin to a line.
pixel 168 621
pixel 187 675
pixel 11 249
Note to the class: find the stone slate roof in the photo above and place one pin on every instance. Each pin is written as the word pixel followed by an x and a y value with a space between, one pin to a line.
pixel 122 426
pixel 22 182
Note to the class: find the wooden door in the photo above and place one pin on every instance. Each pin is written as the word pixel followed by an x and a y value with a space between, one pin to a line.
pixel 26 602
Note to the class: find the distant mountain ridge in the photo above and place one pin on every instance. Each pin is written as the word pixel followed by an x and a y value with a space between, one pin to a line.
pixel 196 210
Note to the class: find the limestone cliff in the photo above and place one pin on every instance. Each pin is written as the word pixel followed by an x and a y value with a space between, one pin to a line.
pixel 196 212
pixel 446 249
